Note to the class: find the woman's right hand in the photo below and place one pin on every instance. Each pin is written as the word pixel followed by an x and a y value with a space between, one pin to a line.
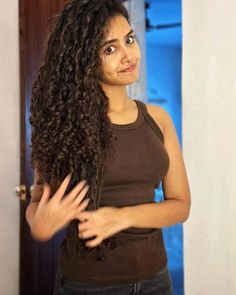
pixel 55 213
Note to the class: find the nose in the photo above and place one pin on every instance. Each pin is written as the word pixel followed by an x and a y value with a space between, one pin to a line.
pixel 126 55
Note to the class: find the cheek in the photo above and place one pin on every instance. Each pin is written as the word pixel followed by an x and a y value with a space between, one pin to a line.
pixel 109 68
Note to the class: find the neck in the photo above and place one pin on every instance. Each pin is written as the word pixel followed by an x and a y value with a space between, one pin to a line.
pixel 118 98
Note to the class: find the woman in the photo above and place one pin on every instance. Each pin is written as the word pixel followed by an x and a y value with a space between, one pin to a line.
pixel 85 129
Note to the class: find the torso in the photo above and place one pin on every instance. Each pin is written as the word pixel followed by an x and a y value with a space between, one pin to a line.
pixel 131 115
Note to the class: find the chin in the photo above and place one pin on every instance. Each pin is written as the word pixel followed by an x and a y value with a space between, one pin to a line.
pixel 121 82
pixel 131 82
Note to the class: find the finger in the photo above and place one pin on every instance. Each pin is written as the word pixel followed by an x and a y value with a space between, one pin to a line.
pixel 84 215
pixel 80 208
pixel 75 191
pixel 46 193
pixel 80 197
pixel 82 205
pixel 93 243
pixel 83 226
pixel 86 234
pixel 61 191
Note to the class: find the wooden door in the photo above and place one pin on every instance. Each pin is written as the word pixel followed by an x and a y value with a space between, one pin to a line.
pixel 38 260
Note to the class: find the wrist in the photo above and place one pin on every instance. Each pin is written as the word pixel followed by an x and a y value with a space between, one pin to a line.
pixel 126 217
pixel 38 233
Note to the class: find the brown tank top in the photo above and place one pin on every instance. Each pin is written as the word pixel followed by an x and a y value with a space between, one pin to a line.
pixel 131 176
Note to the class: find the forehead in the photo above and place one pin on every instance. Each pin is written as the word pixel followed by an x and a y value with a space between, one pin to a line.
pixel 117 27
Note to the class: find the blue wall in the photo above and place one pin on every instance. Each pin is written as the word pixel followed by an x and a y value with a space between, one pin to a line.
pixel 164 59
pixel 164 80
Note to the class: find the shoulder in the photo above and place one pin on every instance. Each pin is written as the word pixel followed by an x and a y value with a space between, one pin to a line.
pixel 159 115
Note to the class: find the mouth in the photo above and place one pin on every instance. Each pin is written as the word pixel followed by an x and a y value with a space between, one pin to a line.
pixel 130 69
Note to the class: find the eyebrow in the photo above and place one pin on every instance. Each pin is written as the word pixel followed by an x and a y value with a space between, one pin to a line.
pixel 114 40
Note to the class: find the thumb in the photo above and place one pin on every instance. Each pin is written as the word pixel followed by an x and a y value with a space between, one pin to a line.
pixel 46 192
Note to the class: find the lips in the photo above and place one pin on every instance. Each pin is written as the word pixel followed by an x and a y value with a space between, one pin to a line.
pixel 129 69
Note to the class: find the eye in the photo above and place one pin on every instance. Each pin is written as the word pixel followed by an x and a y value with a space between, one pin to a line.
pixel 109 50
pixel 131 39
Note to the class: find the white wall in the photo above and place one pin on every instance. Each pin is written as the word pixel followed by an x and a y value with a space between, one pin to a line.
pixel 9 147
pixel 209 145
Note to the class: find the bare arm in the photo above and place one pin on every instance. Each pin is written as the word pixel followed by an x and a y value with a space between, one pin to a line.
pixel 176 206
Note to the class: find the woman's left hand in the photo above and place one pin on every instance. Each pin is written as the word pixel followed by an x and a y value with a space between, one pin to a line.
pixel 100 224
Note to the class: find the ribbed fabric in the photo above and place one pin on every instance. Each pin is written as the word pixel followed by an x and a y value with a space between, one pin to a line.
pixel 131 176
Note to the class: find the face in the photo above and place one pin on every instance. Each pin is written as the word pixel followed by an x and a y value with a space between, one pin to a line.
pixel 120 54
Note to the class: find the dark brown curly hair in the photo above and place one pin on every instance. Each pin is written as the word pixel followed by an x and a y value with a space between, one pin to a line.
pixel 71 131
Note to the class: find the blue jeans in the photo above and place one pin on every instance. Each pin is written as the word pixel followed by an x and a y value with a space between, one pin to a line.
pixel 158 284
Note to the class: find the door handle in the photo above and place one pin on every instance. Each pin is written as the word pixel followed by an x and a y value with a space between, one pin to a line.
pixel 20 191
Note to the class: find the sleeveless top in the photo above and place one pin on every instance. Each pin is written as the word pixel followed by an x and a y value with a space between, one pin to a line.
pixel 130 178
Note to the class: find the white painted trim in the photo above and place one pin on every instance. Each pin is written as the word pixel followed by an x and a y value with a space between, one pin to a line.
pixel 9 147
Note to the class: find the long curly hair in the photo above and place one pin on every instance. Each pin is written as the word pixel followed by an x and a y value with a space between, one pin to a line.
pixel 71 131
